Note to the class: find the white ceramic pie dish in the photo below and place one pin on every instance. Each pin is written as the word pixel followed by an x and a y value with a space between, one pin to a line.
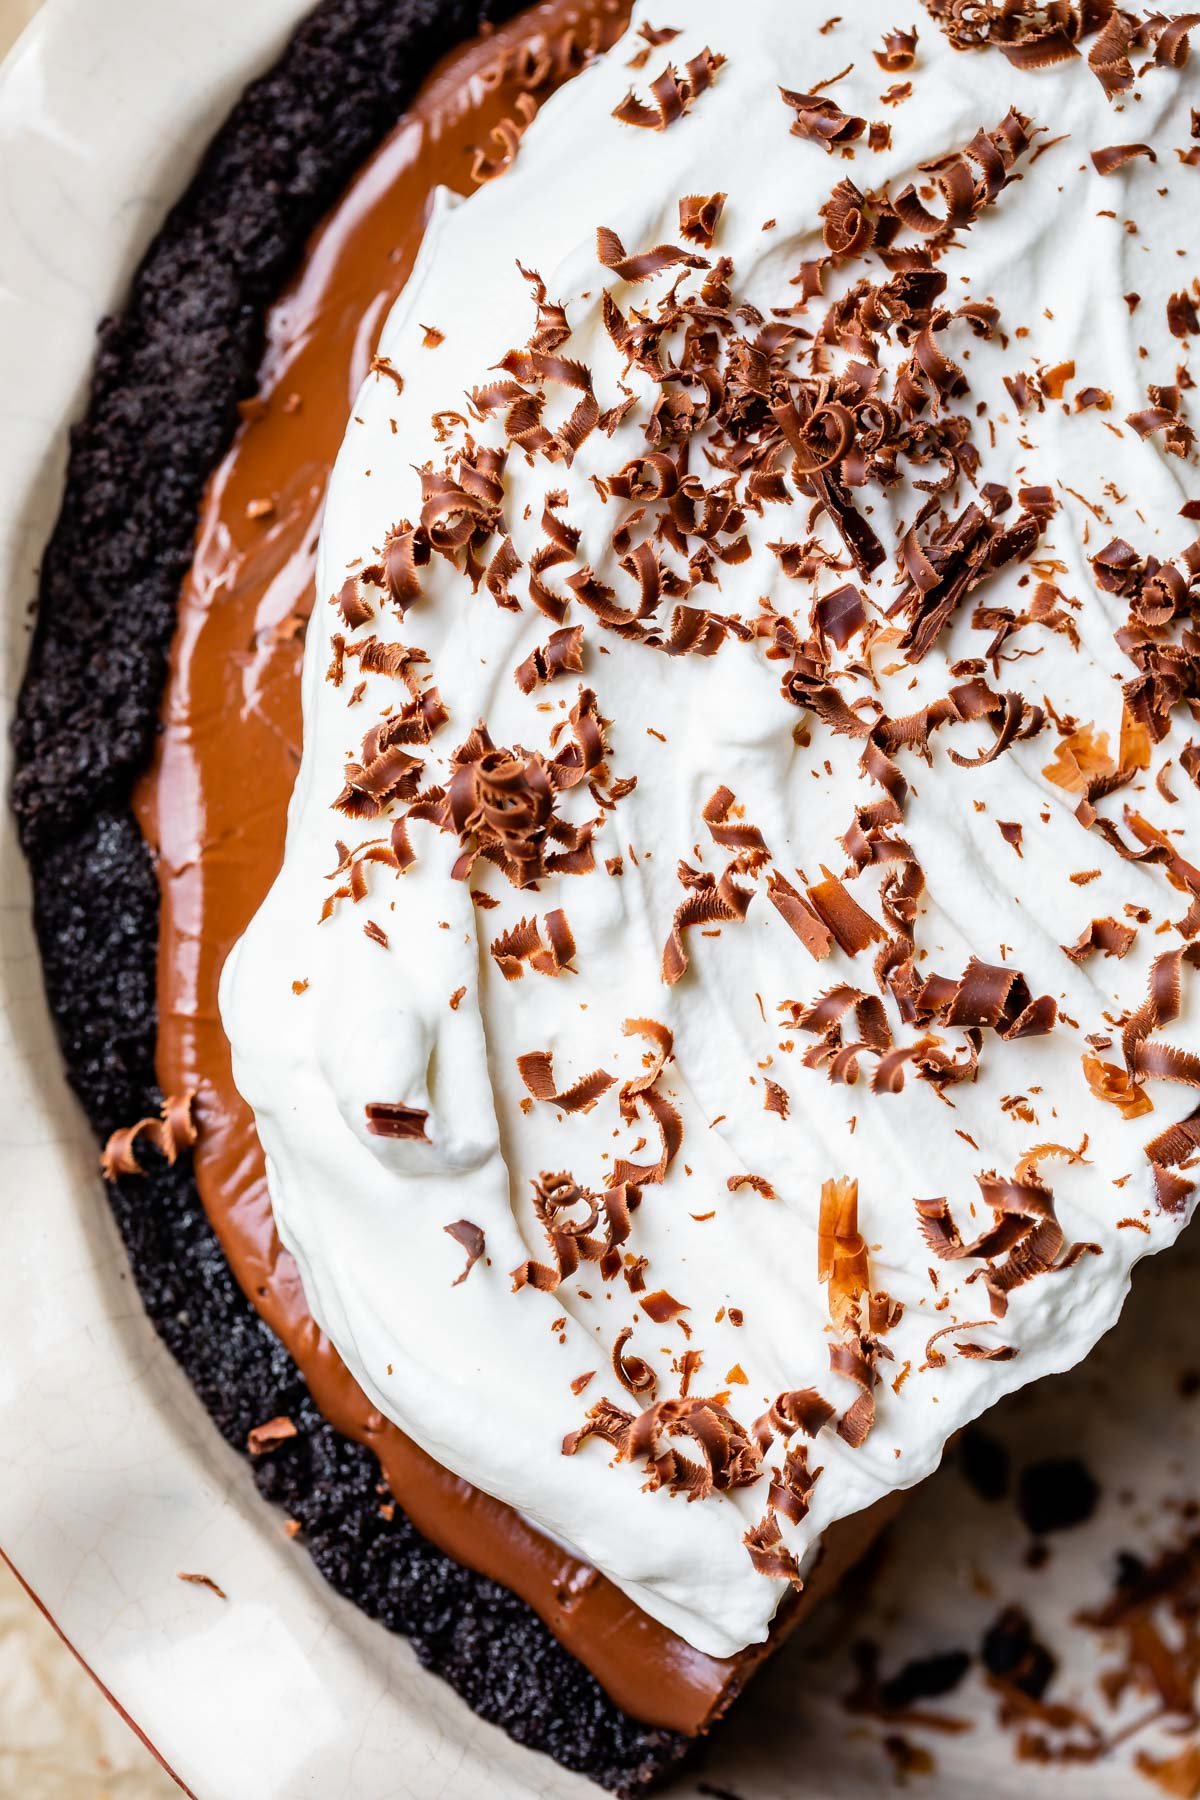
pixel 113 1480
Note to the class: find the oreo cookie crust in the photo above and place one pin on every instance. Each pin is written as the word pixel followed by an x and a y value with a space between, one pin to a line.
pixel 170 371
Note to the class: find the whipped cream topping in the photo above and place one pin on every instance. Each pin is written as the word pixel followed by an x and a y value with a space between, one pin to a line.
pixel 328 1019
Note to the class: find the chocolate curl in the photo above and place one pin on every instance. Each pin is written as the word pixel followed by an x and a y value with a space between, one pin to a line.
pixel 573 1239
pixel 1115 1086
pixel 730 1457
pixel 968 180
pixel 792 1485
pixel 653 36
pixel 853 929
pixel 708 902
pixel 934 1359
pixel 899 51
pixel 1115 156
pixel 1025 1231
pixel 1162 1005
pixel 1044 51
pixel 561 654
pixel 1106 937
pixel 746 841
pixel 633 1372
pixel 769 1554
pixel 523 943
pixel 500 571
pixel 473 1242
pixel 612 253
pixel 841 1251
pixel 988 995
pixel 506 138
pixel 759 1183
pixel 1177 1144
pixel 605 1421
pixel 699 216
pixel 536 1069
pixel 1108 58
pixel 670 1126
pixel 354 607
pixel 855 1359
pixel 172 1131
pixel 800 1409
pixel 821 121
pixel 672 94
pixel 643 1091
pixel 262 1439
pixel 394 1119
pixel 1173 47
pixel 808 926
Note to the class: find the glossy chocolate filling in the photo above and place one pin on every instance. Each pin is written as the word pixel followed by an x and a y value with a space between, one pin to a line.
pixel 214 807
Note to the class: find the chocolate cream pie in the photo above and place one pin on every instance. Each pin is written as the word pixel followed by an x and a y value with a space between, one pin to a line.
pixel 654 974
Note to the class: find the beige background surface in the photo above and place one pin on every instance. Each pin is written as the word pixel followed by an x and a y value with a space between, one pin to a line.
pixel 59 1739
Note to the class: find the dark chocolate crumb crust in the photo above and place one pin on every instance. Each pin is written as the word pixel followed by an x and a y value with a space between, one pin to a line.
pixel 169 373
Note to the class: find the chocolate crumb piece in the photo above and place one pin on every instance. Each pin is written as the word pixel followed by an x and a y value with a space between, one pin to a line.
pixel 392 1119
pixel 204 1581
pixel 433 337
pixel 1012 1654
pixel 473 1242
pixel 383 365
pixel 264 1438
pixel 1055 1494
pixel 925 1678
pixel 985 1463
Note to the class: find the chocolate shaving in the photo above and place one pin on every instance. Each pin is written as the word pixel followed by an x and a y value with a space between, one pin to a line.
pixel 570 1217
pixel 562 654
pixel 699 216
pixel 758 1182
pixel 1025 1229
pixel 841 1251
pixel 726 1456
pixel 709 901
pixel 934 1358
pixel 899 51
pixel 1106 936
pixel 822 121
pixel 536 1069
pixel 523 943
pixel 853 929
pixel 1115 156
pixel 808 925
pixel 264 1438
pixel 792 1485
pixel 633 1372
pixel 473 1242
pixel 392 1119
pixel 769 1554
pixel 173 1130
pixel 672 94
pixel 612 253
